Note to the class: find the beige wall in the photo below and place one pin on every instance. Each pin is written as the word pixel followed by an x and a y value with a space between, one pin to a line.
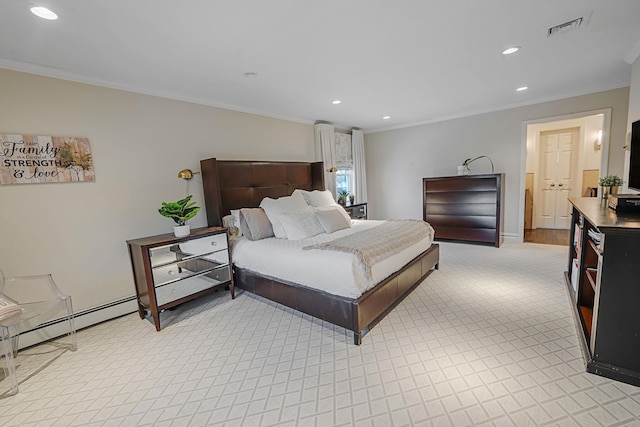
pixel 397 160
pixel 77 231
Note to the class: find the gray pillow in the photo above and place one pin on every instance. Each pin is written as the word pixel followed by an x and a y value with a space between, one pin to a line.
pixel 255 224
pixel 332 220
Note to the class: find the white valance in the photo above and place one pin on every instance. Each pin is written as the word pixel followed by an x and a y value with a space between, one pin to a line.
pixel 343 151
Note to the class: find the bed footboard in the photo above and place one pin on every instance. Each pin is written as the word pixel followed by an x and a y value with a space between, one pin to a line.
pixel 357 315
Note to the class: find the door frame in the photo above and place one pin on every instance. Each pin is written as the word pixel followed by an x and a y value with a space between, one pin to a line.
pixel 604 159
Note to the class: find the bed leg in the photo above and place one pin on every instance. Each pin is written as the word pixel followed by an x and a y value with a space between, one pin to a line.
pixel 357 338
pixel 437 266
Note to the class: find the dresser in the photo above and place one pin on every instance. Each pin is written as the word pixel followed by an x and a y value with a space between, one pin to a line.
pixel 357 211
pixel 169 271
pixel 465 208
pixel 602 279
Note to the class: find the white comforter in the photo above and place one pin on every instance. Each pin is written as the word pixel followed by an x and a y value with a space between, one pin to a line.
pixel 337 273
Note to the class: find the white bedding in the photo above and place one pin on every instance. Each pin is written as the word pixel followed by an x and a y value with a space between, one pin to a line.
pixel 337 273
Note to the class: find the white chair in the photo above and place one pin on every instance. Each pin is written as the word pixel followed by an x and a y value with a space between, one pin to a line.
pixel 41 303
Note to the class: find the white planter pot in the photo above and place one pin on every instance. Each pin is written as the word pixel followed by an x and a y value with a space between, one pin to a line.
pixel 182 230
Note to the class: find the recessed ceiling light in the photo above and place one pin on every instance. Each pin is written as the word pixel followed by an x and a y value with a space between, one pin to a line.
pixel 250 75
pixel 44 13
pixel 510 50
pixel 520 89
pixel 386 117
pixel 336 102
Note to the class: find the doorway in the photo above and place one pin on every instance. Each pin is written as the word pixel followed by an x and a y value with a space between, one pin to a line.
pixel 564 158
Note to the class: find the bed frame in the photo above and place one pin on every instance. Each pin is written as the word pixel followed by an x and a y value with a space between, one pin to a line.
pixel 233 184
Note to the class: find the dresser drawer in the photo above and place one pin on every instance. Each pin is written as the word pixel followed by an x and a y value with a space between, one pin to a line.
pixel 358 211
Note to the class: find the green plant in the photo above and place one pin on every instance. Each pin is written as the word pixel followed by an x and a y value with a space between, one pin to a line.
pixel 610 181
pixel 180 211
pixel 342 196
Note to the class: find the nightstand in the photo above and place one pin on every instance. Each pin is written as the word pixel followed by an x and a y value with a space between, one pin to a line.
pixel 357 211
pixel 169 271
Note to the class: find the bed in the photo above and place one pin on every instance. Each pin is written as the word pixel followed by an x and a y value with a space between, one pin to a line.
pixel 235 184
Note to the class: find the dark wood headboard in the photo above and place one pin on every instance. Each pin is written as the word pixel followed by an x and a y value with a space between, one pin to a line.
pixel 235 184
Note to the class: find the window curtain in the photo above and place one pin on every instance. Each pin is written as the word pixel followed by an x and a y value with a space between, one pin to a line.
pixel 359 168
pixel 325 144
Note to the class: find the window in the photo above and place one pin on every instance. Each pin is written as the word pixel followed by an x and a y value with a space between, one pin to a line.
pixel 344 181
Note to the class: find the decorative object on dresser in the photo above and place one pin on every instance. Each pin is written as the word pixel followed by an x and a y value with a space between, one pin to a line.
pixel 169 271
pixel 342 198
pixel 610 184
pixel 464 169
pixel 602 281
pixel 357 211
pixel 231 185
pixel 180 212
pixel 465 208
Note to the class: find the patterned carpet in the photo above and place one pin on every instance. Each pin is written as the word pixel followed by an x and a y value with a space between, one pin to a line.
pixel 489 339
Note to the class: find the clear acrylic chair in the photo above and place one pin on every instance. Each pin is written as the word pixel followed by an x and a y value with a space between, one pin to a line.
pixel 42 303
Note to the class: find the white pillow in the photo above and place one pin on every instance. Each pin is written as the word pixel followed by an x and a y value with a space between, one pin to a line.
pixel 301 226
pixel 274 208
pixel 332 219
pixel 317 198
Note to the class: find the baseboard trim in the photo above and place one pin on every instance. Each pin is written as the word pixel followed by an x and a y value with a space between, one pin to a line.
pixel 83 319
pixel 512 238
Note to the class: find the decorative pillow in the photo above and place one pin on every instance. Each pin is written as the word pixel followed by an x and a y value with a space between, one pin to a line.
pixel 254 224
pixel 336 207
pixel 235 213
pixel 317 198
pixel 227 222
pixel 301 226
pixel 332 219
pixel 274 208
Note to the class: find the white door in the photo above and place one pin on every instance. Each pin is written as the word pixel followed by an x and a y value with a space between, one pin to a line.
pixel 558 151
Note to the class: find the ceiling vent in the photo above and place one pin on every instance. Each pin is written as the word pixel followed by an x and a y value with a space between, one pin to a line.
pixel 565 27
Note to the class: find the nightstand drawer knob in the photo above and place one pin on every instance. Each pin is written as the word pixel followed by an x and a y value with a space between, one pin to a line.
pixel 171 272
pixel 213 243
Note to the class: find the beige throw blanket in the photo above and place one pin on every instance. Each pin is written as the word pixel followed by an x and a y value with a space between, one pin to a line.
pixel 375 244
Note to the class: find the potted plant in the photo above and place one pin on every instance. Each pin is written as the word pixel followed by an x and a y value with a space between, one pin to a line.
pixel 610 184
pixel 342 197
pixel 352 199
pixel 180 212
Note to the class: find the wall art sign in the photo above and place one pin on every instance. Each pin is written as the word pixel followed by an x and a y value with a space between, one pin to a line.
pixel 30 159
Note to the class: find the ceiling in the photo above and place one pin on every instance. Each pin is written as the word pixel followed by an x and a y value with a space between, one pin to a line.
pixel 416 61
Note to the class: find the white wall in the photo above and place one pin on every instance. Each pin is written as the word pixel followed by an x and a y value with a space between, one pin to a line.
pixel 77 231
pixel 397 160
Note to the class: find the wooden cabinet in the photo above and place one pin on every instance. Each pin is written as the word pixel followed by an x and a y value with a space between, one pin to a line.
pixel 169 271
pixel 357 211
pixel 465 208
pixel 603 279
